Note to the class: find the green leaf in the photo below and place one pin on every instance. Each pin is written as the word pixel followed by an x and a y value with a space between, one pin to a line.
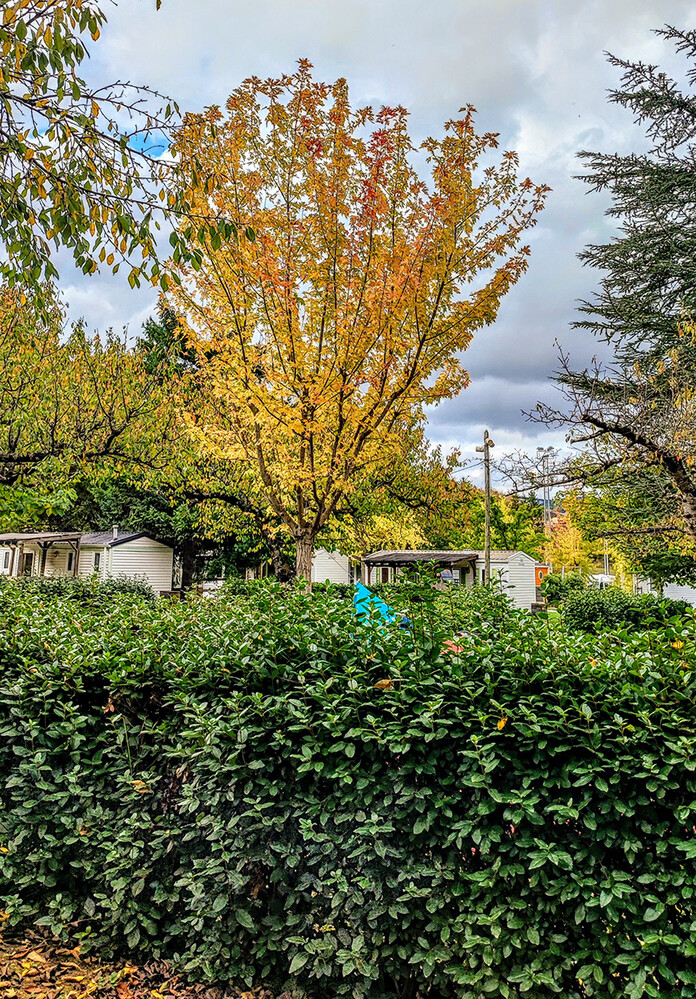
pixel 244 919
pixel 421 824
pixel 298 962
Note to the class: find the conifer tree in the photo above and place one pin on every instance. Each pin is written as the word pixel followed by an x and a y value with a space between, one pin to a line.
pixel 635 417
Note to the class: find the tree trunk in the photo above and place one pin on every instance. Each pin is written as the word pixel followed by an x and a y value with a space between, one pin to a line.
pixel 303 559
pixel 187 553
pixel 282 569
pixel 688 504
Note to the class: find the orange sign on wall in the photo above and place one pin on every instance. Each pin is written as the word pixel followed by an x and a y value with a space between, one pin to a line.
pixel 540 572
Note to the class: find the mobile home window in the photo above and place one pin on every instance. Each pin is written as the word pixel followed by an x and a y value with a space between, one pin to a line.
pixel 97 561
pixel 71 558
pixel 6 561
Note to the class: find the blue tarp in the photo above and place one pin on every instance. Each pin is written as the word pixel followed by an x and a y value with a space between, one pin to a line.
pixel 367 604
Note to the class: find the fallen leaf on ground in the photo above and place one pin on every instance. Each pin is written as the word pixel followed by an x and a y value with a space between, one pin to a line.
pixel 40 967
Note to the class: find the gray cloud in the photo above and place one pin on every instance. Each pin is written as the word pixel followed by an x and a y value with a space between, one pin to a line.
pixel 535 70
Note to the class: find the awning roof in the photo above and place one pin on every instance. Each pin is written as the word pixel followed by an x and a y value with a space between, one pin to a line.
pixel 40 537
pixel 94 539
pixel 402 558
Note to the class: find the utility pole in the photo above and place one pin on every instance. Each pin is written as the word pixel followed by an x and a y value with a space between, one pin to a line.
pixel 545 454
pixel 485 449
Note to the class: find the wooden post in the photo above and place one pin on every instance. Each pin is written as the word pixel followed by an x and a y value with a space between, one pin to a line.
pixel 485 449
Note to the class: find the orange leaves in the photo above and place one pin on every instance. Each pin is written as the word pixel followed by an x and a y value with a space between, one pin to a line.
pixel 40 968
pixel 344 317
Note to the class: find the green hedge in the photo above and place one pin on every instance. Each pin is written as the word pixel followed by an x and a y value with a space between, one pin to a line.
pixel 269 793
pixel 456 610
pixel 557 586
pixel 597 610
pixel 93 590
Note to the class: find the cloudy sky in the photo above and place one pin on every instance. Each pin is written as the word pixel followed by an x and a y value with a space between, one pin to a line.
pixel 534 69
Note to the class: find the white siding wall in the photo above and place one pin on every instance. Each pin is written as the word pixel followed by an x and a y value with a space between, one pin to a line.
pixel 143 559
pixel 85 568
pixel 57 561
pixel 5 550
pixel 522 581
pixel 330 567
pixel 499 572
pixel 674 592
pixel 516 578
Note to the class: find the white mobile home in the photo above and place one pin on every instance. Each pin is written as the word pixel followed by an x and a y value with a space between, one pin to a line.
pixel 327 567
pixel 331 567
pixel 514 572
pixel 108 554
pixel 671 591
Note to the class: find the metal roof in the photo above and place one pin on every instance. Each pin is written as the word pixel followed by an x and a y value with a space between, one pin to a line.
pixel 503 555
pixel 411 557
pixel 40 536
pixel 106 539
pixel 94 539
pixel 407 557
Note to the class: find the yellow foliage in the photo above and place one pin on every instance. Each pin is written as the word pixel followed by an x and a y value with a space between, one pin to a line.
pixel 344 308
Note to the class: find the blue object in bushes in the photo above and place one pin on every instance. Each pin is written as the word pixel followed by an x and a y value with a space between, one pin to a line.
pixel 367 604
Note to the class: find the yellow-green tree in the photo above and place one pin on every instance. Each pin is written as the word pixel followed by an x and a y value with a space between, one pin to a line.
pixel 73 400
pixel 322 337
pixel 569 545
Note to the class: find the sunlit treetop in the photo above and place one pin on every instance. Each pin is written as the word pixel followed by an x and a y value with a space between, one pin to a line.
pixel 320 338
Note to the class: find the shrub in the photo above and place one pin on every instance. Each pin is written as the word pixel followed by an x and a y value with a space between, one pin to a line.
pixel 475 610
pixel 94 589
pixel 595 610
pixel 557 587
pixel 271 793
pixel 342 590
pixel 456 610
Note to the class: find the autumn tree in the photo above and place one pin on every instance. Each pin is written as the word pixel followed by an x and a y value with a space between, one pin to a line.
pixel 347 313
pixel 401 505
pixel 570 546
